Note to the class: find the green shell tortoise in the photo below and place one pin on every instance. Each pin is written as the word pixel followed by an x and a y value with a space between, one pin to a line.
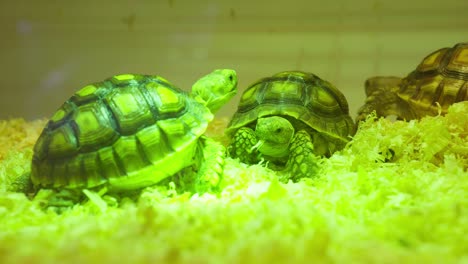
pixel 132 131
pixel 439 81
pixel 288 120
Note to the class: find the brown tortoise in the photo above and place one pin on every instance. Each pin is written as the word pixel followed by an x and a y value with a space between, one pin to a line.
pixel 439 81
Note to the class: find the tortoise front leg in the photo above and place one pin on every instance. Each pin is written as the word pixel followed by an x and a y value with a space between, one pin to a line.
pixel 302 161
pixel 242 146
pixel 211 165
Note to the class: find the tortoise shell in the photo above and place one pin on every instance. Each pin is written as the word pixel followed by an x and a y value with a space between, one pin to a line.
pixel 312 102
pixel 441 78
pixel 128 131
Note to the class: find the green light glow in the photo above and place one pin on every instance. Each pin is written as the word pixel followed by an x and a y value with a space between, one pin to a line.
pixel 360 209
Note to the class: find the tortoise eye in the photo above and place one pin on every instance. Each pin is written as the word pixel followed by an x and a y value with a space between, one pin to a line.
pixel 279 130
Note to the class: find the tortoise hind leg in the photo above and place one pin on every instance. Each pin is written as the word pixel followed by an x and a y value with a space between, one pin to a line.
pixel 302 161
pixel 206 171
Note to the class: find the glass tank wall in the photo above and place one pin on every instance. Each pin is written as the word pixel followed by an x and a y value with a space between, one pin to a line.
pixel 50 49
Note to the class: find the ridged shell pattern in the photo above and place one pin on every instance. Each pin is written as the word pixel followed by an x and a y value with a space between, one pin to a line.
pixel 300 95
pixel 125 131
pixel 441 78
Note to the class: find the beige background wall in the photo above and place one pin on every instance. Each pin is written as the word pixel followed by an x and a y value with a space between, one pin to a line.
pixel 49 49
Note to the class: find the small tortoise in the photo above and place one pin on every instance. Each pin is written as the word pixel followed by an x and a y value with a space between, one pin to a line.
pixel 132 131
pixel 439 81
pixel 288 119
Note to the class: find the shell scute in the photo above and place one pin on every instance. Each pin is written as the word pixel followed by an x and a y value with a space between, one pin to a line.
pixel 93 126
pixel 92 170
pixel 63 141
pixel 177 133
pixel 109 165
pixel 459 60
pixel 432 61
pixel 153 143
pixel 129 109
pixel 168 101
pixel 129 154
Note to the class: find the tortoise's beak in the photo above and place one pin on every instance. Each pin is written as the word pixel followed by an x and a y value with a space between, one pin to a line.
pixel 258 145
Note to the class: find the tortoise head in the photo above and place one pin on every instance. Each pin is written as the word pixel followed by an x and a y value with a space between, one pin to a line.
pixel 215 89
pixel 388 83
pixel 274 134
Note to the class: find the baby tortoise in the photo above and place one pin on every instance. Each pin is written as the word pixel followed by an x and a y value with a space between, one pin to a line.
pixel 132 131
pixel 288 119
pixel 439 81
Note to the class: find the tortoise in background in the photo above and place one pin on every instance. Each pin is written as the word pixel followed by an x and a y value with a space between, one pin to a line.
pixel 132 131
pixel 439 81
pixel 288 120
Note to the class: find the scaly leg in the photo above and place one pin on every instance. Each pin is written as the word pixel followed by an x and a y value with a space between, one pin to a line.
pixel 242 146
pixel 302 161
pixel 210 169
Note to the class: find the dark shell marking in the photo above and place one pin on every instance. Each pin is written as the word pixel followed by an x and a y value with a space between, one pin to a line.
pixel 440 78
